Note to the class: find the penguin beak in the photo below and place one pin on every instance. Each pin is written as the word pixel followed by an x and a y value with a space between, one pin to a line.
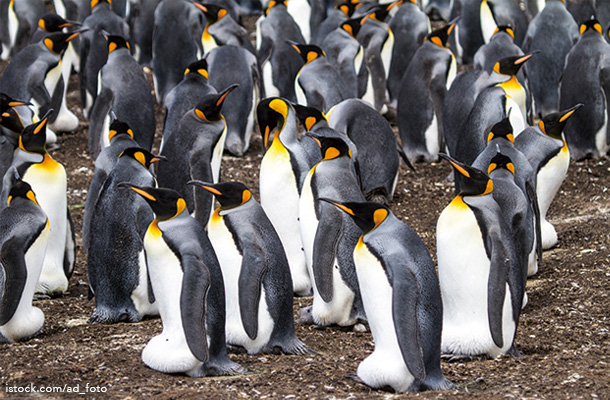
pixel 314 137
pixel 339 206
pixel 158 158
pixel 142 192
pixel 452 25
pixel 43 122
pixel 75 34
pixel 526 57
pixel 294 45
pixel 455 164
pixel 207 186
pixel 569 112
pixel 200 6
pixel 224 94
pixel 395 4
pixel 16 103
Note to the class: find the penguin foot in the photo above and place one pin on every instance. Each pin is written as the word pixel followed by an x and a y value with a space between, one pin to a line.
pixel 41 296
pixel 294 347
pixel 514 352
pixel 451 358
pixel 107 316
pixel 225 368
pixel 236 349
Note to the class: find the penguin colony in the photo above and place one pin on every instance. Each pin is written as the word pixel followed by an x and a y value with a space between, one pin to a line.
pixel 223 279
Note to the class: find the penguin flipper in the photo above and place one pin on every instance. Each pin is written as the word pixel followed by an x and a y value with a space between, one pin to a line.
pixel 325 250
pixel 405 299
pixel 195 286
pixel 530 188
pixel 496 287
pixel 38 90
pixel 14 275
pixel 100 110
pixel 69 251
pixel 253 269
pixel 604 78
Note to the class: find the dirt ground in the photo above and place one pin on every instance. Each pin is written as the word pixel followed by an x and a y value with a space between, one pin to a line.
pixel 563 331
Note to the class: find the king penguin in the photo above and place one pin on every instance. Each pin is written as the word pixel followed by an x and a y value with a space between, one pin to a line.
pixel 187 281
pixel 402 299
pixel 553 32
pixel 20 23
pixel 221 29
pixel 278 61
pixel 420 102
pixel 283 169
pixel 48 178
pixel 116 264
pixel 586 80
pixel 11 127
pixel 258 286
pixel 480 278
pixel 329 237
pixel 194 151
pixel 502 44
pixel 546 149
pixel 142 26
pixel 133 103
pixel 24 234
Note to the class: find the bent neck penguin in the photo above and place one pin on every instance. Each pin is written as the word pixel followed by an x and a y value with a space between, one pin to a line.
pixel 188 285
pixel 23 241
pixel 420 102
pixel 476 260
pixel 283 169
pixel 395 275
pixel 194 151
pixel 48 179
pixel 329 236
pixel 548 153
pixel 258 286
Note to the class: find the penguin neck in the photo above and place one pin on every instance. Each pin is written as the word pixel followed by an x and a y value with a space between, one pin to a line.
pixel 288 134
pixel 207 40
pixel 219 212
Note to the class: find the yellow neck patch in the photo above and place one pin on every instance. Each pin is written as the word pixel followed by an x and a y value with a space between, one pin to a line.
pixel 180 206
pixel 310 122
pixel 112 47
pixel 489 188
pixel 139 156
pixel 312 55
pixel 245 196
pixel 379 216
pixel 153 229
pixel 331 153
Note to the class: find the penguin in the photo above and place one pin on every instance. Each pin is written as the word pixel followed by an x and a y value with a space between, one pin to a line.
pixel 21 21
pixel 76 10
pixel 318 83
pixel 256 274
pixel 142 26
pixel 468 36
pixel 479 274
pixel 277 60
pixel 188 285
pixel 301 12
pixel 11 126
pixel 221 29
pixel 50 23
pixel 533 7
pixel 410 26
pixel 420 103
pixel 116 262
pixel 229 65
pixel 23 241
pixel 376 143
pixel 194 151
pixel 94 48
pixel 185 95
pixel 401 297
pixel 546 149
pixel 586 80
pixel 48 178
pixel 494 13
pixel 285 164
pixel 502 44
pixel 501 139
pixel 553 32
pixel 437 9
pixel 378 41
pixel 133 103
pixel 334 17
pixel 177 31
pixel 35 75
pixel 120 137
pixel 581 10
pixel 492 104
pixel 346 54
pixel 329 237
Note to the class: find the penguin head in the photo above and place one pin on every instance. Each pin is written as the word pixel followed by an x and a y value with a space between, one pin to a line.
pixel 228 194
pixel 505 28
pixel 118 127
pixel 34 137
pixel 552 124
pixel 501 161
pixel 331 147
pixel 511 65
pixel 440 37
pixel 592 24
pixel 95 3
pixel 274 3
pixel 310 116
pixel 271 114
pixel 144 157
pixel 379 13
pixel 9 117
pixel 116 42
pixel 7 102
pixel 472 181
pixel 199 67
pixel 308 52
pixel 367 215
pixel 52 22
pixel 352 25
pixel 213 12
pixel 209 108
pixel 503 129
pixel 348 7
pixel 165 203
pixel 57 42
pixel 21 189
